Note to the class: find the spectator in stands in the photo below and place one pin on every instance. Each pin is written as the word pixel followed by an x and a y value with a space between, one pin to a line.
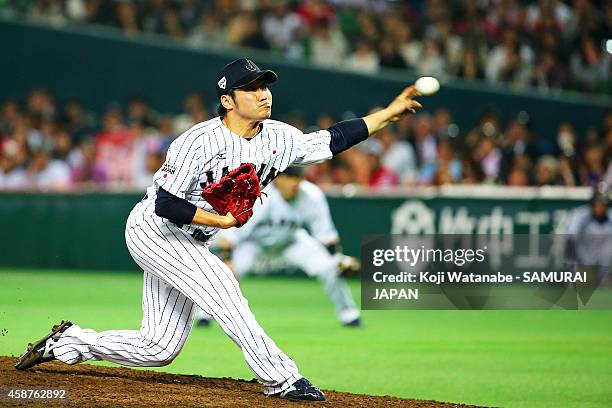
pixel 441 121
pixel 41 104
pixel 46 173
pixel 518 177
pixel 210 32
pixel 431 62
pixel 489 125
pixel 312 12
pixel 471 171
pixel 489 157
pixel 560 13
pixel 140 111
pixel 548 74
pixel 81 161
pixel 470 66
pixel 165 131
pixel 568 172
pixel 389 55
pixel 510 61
pixel 501 14
pixel 364 59
pixel 195 111
pixel 352 165
pixel 9 115
pixel 446 169
pixel 78 123
pixel 566 140
pixel 189 12
pixel 321 173
pixel 547 171
pixel 244 29
pixel 397 155
pixel 282 27
pixel 368 28
pixel 114 151
pixel 127 17
pixel 590 68
pixel 48 11
pixel 327 44
pixel 13 174
pixel 380 176
pixel 592 169
pixel 62 143
pixel 341 173
pixel 161 17
pixel 40 135
pixel 516 142
pixel 409 48
pixel 451 44
pixel 425 141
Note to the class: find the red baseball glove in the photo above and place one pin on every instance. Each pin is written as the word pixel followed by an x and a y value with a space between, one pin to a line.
pixel 235 193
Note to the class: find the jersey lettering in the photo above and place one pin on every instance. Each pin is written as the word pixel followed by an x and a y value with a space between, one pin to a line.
pixel 209 179
pixel 271 176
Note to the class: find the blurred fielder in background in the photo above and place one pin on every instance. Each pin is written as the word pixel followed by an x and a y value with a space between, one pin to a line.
pixel 589 229
pixel 293 228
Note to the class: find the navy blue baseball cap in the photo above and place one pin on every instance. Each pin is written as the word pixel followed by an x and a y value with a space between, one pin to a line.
pixel 239 73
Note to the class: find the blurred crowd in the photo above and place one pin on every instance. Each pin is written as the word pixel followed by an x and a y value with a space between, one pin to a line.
pixel 546 44
pixel 46 145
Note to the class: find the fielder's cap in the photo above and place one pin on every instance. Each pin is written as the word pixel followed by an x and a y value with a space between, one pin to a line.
pixel 239 73
pixel 294 171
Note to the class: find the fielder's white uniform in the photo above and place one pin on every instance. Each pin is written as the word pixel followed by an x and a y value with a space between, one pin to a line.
pixel 180 272
pixel 295 233
pixel 591 239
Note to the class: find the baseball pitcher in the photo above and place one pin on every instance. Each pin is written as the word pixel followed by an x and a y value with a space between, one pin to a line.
pixel 212 176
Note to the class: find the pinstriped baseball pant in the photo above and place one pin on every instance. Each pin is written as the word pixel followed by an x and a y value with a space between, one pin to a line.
pixel 180 273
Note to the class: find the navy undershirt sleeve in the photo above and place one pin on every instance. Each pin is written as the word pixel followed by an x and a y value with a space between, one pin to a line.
pixel 346 134
pixel 175 209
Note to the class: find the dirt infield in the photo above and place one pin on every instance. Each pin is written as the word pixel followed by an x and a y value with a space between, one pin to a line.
pixel 89 385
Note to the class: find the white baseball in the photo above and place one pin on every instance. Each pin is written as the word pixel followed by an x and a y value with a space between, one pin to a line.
pixel 427 85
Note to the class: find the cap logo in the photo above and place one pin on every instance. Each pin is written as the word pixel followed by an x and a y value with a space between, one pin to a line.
pixel 250 66
pixel 222 83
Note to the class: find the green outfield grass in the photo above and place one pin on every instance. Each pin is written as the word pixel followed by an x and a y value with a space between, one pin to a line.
pixel 500 358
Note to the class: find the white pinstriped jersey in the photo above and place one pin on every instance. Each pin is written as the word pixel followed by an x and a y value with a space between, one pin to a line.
pixel 275 221
pixel 209 150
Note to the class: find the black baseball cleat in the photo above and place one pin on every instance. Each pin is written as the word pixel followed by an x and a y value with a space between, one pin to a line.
pixel 303 390
pixel 354 323
pixel 36 353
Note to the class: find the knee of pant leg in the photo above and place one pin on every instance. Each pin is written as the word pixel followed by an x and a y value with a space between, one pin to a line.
pixel 164 358
pixel 164 362
pixel 322 268
pixel 159 355
pixel 326 274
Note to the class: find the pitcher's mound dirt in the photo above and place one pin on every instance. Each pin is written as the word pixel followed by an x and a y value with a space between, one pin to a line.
pixel 89 385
